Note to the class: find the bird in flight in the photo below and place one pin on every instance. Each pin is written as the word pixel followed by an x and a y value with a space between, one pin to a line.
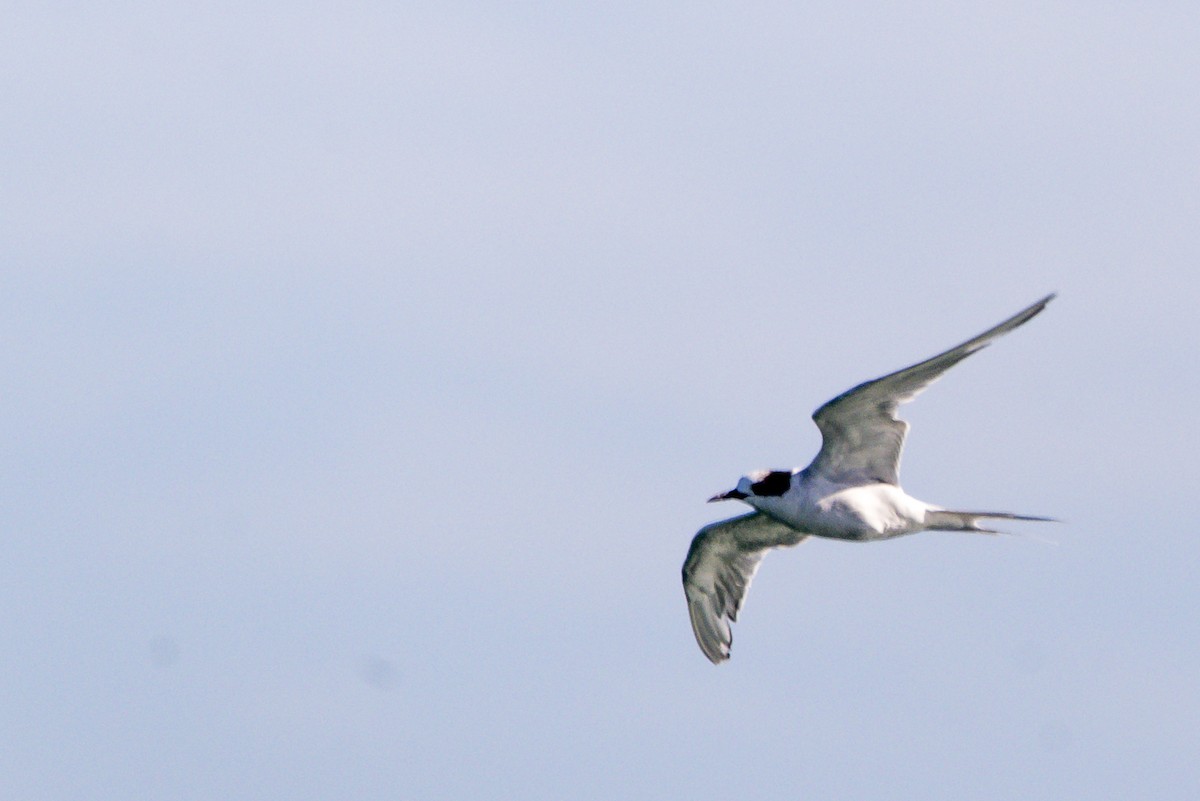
pixel 851 491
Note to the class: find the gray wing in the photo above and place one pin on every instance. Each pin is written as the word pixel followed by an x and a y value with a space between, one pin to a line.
pixel 861 435
pixel 717 572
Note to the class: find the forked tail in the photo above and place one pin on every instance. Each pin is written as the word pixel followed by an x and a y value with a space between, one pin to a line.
pixel 945 520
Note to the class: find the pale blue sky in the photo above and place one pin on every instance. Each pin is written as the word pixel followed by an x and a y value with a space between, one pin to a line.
pixel 368 365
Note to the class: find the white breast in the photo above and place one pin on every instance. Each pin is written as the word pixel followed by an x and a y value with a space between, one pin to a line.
pixel 866 512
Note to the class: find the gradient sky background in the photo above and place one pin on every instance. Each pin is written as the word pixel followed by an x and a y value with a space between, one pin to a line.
pixel 368 365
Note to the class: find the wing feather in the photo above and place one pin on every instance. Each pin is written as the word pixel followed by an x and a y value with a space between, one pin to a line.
pixel 861 436
pixel 718 570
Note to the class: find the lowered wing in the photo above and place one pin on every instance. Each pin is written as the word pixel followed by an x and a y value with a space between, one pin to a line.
pixel 718 570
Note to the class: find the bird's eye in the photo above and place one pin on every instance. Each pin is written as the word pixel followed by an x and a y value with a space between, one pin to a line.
pixel 774 483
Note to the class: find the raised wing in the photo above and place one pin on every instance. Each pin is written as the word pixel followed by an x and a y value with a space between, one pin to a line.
pixel 717 572
pixel 861 435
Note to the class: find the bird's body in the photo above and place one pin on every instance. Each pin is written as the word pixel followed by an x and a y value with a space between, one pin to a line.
pixel 824 508
pixel 851 491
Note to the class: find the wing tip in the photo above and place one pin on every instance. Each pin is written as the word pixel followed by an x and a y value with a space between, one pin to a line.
pixel 714 643
pixel 1041 304
pixel 1024 316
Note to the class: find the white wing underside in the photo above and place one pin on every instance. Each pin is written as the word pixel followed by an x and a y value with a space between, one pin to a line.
pixel 718 570
pixel 861 435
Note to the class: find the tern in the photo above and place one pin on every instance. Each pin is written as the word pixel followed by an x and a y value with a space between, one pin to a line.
pixel 851 491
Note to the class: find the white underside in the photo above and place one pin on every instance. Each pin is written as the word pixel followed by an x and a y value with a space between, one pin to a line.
pixel 863 512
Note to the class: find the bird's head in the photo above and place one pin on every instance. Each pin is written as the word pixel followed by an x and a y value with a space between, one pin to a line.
pixel 759 484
